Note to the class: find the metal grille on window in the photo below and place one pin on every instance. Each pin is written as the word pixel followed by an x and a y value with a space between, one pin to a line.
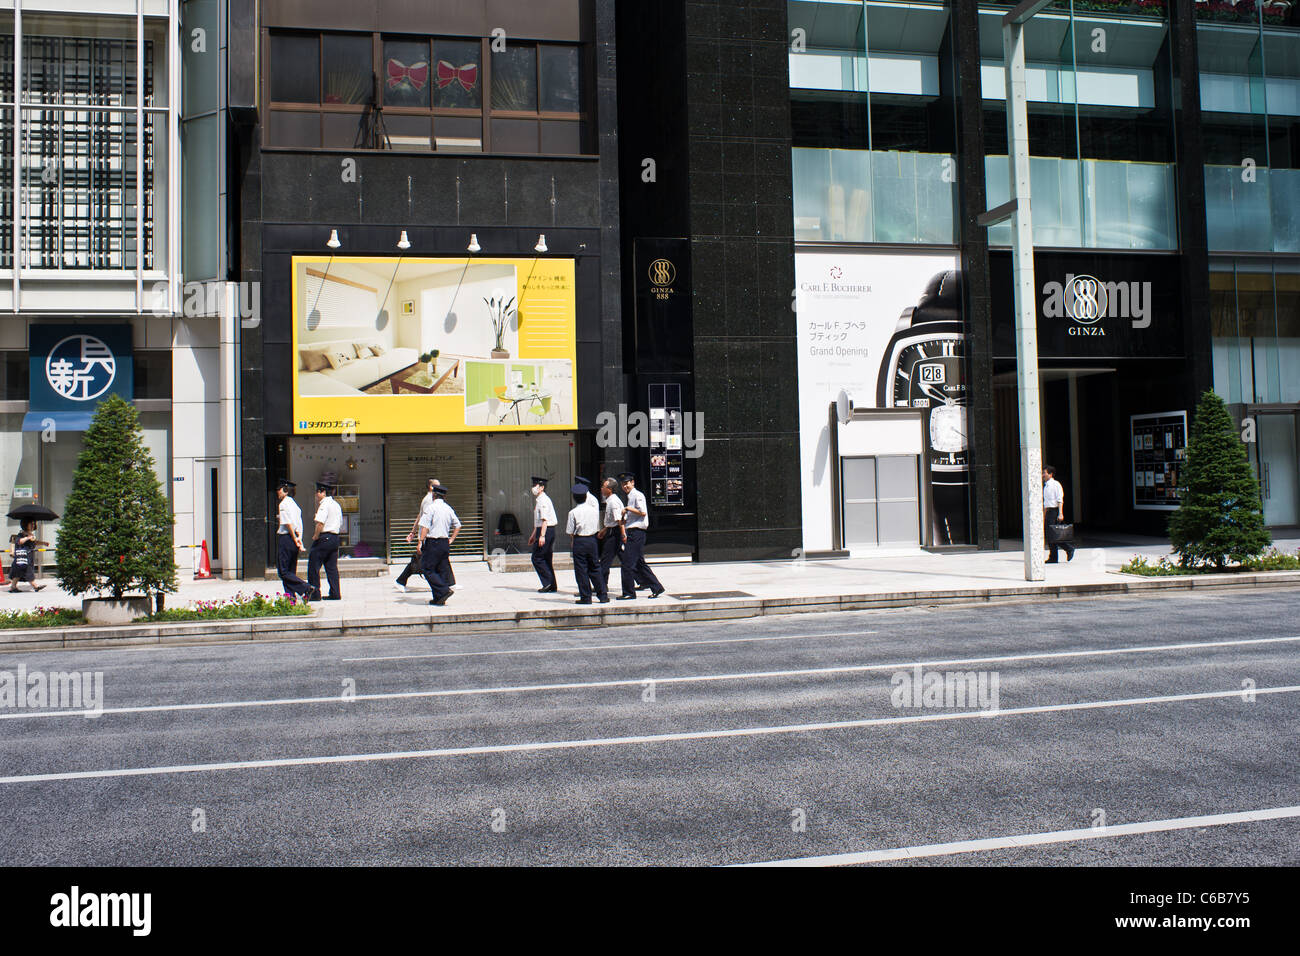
pixel 78 195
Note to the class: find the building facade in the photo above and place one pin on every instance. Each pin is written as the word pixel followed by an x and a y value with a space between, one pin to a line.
pixel 427 205
pixel 91 274
pixel 1162 141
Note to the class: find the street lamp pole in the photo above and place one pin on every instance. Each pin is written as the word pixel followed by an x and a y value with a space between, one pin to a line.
pixel 1022 272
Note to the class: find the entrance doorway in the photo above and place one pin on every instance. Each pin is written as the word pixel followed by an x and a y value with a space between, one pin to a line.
pixel 881 501
pixel 207 507
pixel 1278 467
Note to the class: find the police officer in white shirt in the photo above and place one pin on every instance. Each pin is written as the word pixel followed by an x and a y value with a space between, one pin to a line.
pixel 612 535
pixel 584 522
pixel 415 564
pixel 325 544
pixel 591 499
pixel 438 529
pixel 1053 512
pixel 289 542
pixel 636 519
pixel 542 539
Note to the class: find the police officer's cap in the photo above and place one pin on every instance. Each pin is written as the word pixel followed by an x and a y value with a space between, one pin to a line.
pixel 579 490
pixel 584 481
pixel 287 485
pixel 440 491
pixel 627 476
pixel 328 489
pixel 540 481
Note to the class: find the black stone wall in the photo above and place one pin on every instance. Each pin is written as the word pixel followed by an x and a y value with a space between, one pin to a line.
pixel 742 251
pixel 287 201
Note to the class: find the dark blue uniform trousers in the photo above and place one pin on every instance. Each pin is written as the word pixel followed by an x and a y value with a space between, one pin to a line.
pixel 611 547
pixel 324 551
pixel 586 568
pixel 635 570
pixel 435 554
pixel 286 565
pixel 416 566
pixel 543 557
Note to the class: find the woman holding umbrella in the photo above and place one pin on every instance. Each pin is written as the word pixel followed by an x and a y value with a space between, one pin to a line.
pixel 25 543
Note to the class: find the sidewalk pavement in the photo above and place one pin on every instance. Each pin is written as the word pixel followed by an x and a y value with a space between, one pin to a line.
pixel 485 599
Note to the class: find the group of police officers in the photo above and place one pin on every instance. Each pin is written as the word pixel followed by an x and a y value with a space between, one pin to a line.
pixel 596 541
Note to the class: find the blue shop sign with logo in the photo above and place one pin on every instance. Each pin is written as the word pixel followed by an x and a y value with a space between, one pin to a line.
pixel 72 369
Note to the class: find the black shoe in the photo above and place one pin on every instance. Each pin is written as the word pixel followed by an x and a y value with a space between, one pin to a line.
pixel 551 590
pixel 655 594
pixel 1069 556
pixel 581 601
pixel 334 597
pixel 627 597
pixel 313 596
pixel 604 600
pixel 1051 561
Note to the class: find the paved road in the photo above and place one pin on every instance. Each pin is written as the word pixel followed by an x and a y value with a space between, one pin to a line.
pixel 550 747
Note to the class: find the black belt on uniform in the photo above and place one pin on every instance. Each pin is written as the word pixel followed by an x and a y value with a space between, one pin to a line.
pixel 584 536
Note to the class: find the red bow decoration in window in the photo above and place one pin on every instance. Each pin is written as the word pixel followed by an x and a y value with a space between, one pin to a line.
pixel 417 74
pixel 466 76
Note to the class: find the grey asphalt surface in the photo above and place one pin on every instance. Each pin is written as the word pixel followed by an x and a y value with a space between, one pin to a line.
pixel 703 801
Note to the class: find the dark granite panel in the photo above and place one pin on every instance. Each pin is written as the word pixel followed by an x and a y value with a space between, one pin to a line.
pixel 707 219
pixel 712 398
pixel 714 474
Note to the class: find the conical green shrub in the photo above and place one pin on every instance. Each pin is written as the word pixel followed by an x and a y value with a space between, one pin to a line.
pixel 116 532
pixel 1221 520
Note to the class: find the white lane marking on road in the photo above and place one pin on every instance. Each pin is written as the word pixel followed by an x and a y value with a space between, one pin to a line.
pixel 630 682
pixel 607 647
pixel 643 739
pixel 1035 839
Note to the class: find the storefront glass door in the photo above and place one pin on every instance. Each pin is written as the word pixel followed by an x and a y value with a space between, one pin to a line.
pixel 1279 469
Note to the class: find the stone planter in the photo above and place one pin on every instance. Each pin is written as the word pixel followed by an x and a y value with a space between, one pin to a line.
pixel 500 354
pixel 115 610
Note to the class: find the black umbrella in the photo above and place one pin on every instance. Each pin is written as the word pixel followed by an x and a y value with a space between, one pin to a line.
pixel 33 513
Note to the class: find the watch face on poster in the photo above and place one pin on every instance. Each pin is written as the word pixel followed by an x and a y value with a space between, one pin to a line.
pixel 923 367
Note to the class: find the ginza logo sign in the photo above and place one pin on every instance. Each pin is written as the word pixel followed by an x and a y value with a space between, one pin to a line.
pixel 1087 300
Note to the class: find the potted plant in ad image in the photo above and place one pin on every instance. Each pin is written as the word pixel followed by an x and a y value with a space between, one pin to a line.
pixel 501 313
pixel 431 358
pixel 116 534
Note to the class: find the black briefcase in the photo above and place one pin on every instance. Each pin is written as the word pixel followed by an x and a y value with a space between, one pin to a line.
pixel 1060 533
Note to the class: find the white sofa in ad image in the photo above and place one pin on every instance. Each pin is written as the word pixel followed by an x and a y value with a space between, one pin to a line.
pixel 354 377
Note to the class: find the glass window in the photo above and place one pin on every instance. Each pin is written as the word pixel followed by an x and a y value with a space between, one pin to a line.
pixel 561 78
pixel 152 373
pixel 458 78
pixel 514 79
pixel 407 74
pixel 347 69
pixel 458 134
pixel 409 132
pixel 514 135
pixel 295 68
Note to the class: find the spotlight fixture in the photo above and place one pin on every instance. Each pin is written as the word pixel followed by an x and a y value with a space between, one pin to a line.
pixel 541 243
pixel 473 244
pixel 334 239
pixel 403 243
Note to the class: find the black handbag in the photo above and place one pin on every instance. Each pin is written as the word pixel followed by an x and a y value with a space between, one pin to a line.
pixel 1060 533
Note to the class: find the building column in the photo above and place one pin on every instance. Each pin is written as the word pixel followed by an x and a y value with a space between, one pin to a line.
pixel 976 291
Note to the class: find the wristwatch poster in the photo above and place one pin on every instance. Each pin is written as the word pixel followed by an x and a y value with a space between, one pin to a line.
pixel 923 366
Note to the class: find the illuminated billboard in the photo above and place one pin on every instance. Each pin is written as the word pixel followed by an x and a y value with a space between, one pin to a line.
pixel 433 345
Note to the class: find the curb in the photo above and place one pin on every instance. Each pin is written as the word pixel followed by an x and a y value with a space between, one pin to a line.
pixel 271 630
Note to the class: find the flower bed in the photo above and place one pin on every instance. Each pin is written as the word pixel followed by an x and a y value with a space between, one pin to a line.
pixel 1270 560
pixel 41 617
pixel 239 606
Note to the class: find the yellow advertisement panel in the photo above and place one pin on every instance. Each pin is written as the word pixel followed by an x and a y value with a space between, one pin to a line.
pixel 433 345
